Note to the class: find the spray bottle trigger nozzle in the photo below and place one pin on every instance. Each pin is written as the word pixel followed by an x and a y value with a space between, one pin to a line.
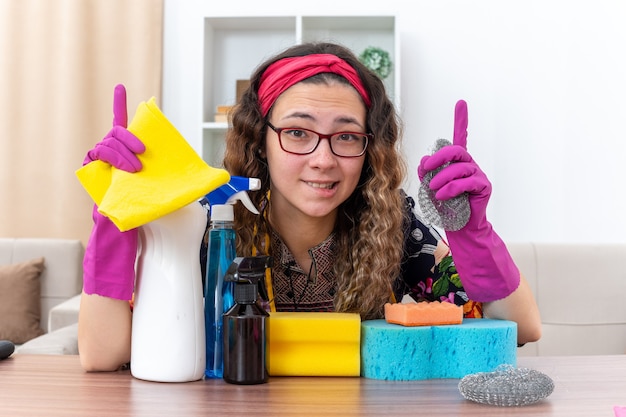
pixel 245 199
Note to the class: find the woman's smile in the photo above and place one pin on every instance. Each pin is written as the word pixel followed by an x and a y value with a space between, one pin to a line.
pixel 324 185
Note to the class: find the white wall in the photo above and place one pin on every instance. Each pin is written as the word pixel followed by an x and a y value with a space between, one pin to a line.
pixel 545 82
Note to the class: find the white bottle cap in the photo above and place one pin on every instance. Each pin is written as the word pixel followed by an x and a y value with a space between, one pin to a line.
pixel 222 212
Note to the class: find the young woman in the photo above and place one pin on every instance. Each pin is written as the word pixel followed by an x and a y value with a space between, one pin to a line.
pixel 318 129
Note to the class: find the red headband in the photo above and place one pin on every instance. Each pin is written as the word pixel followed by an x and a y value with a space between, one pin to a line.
pixel 286 72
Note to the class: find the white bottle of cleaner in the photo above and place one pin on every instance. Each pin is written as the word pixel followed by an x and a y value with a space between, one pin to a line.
pixel 168 335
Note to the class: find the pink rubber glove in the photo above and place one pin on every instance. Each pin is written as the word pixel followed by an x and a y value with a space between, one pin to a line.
pixel 109 262
pixel 119 147
pixel 485 266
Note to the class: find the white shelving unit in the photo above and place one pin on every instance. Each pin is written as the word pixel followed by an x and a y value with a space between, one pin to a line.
pixel 232 47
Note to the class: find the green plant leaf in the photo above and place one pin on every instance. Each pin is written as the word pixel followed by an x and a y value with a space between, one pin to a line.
pixel 377 60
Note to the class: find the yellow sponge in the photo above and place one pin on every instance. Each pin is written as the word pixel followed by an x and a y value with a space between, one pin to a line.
pixel 313 344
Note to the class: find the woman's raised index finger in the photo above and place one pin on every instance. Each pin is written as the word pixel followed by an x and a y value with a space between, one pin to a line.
pixel 460 124
pixel 120 115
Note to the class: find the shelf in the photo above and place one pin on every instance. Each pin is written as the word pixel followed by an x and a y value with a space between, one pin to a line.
pixel 217 126
pixel 234 46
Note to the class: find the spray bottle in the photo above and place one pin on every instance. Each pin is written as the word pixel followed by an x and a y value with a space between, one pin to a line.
pixel 244 323
pixel 219 296
pixel 168 339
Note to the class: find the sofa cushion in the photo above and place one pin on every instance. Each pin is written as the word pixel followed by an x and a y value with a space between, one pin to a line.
pixel 63 276
pixel 63 341
pixel 20 309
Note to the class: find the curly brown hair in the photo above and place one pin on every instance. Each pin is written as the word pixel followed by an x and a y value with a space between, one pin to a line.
pixel 369 223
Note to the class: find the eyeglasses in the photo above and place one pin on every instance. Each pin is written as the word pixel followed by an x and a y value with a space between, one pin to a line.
pixel 299 141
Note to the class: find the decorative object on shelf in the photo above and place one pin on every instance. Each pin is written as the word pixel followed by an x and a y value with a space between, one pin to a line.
pixel 377 60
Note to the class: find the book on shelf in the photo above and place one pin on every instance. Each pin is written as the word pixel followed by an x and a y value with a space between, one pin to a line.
pixel 222 110
pixel 221 114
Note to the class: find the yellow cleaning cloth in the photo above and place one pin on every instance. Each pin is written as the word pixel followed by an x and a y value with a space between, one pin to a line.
pixel 173 174
pixel 313 344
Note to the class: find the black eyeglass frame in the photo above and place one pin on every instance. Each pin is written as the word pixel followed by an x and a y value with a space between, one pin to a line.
pixel 320 136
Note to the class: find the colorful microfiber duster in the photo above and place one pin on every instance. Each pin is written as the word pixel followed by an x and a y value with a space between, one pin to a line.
pixel 173 174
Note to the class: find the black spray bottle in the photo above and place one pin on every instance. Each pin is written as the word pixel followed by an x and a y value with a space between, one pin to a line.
pixel 244 324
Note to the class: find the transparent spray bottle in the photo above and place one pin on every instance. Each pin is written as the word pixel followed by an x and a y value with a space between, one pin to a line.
pixel 245 322
pixel 219 295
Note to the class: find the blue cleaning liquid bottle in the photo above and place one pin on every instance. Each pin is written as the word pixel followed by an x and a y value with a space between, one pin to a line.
pixel 219 295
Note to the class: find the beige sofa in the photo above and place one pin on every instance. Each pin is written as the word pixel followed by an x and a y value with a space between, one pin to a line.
pixel 61 284
pixel 581 292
